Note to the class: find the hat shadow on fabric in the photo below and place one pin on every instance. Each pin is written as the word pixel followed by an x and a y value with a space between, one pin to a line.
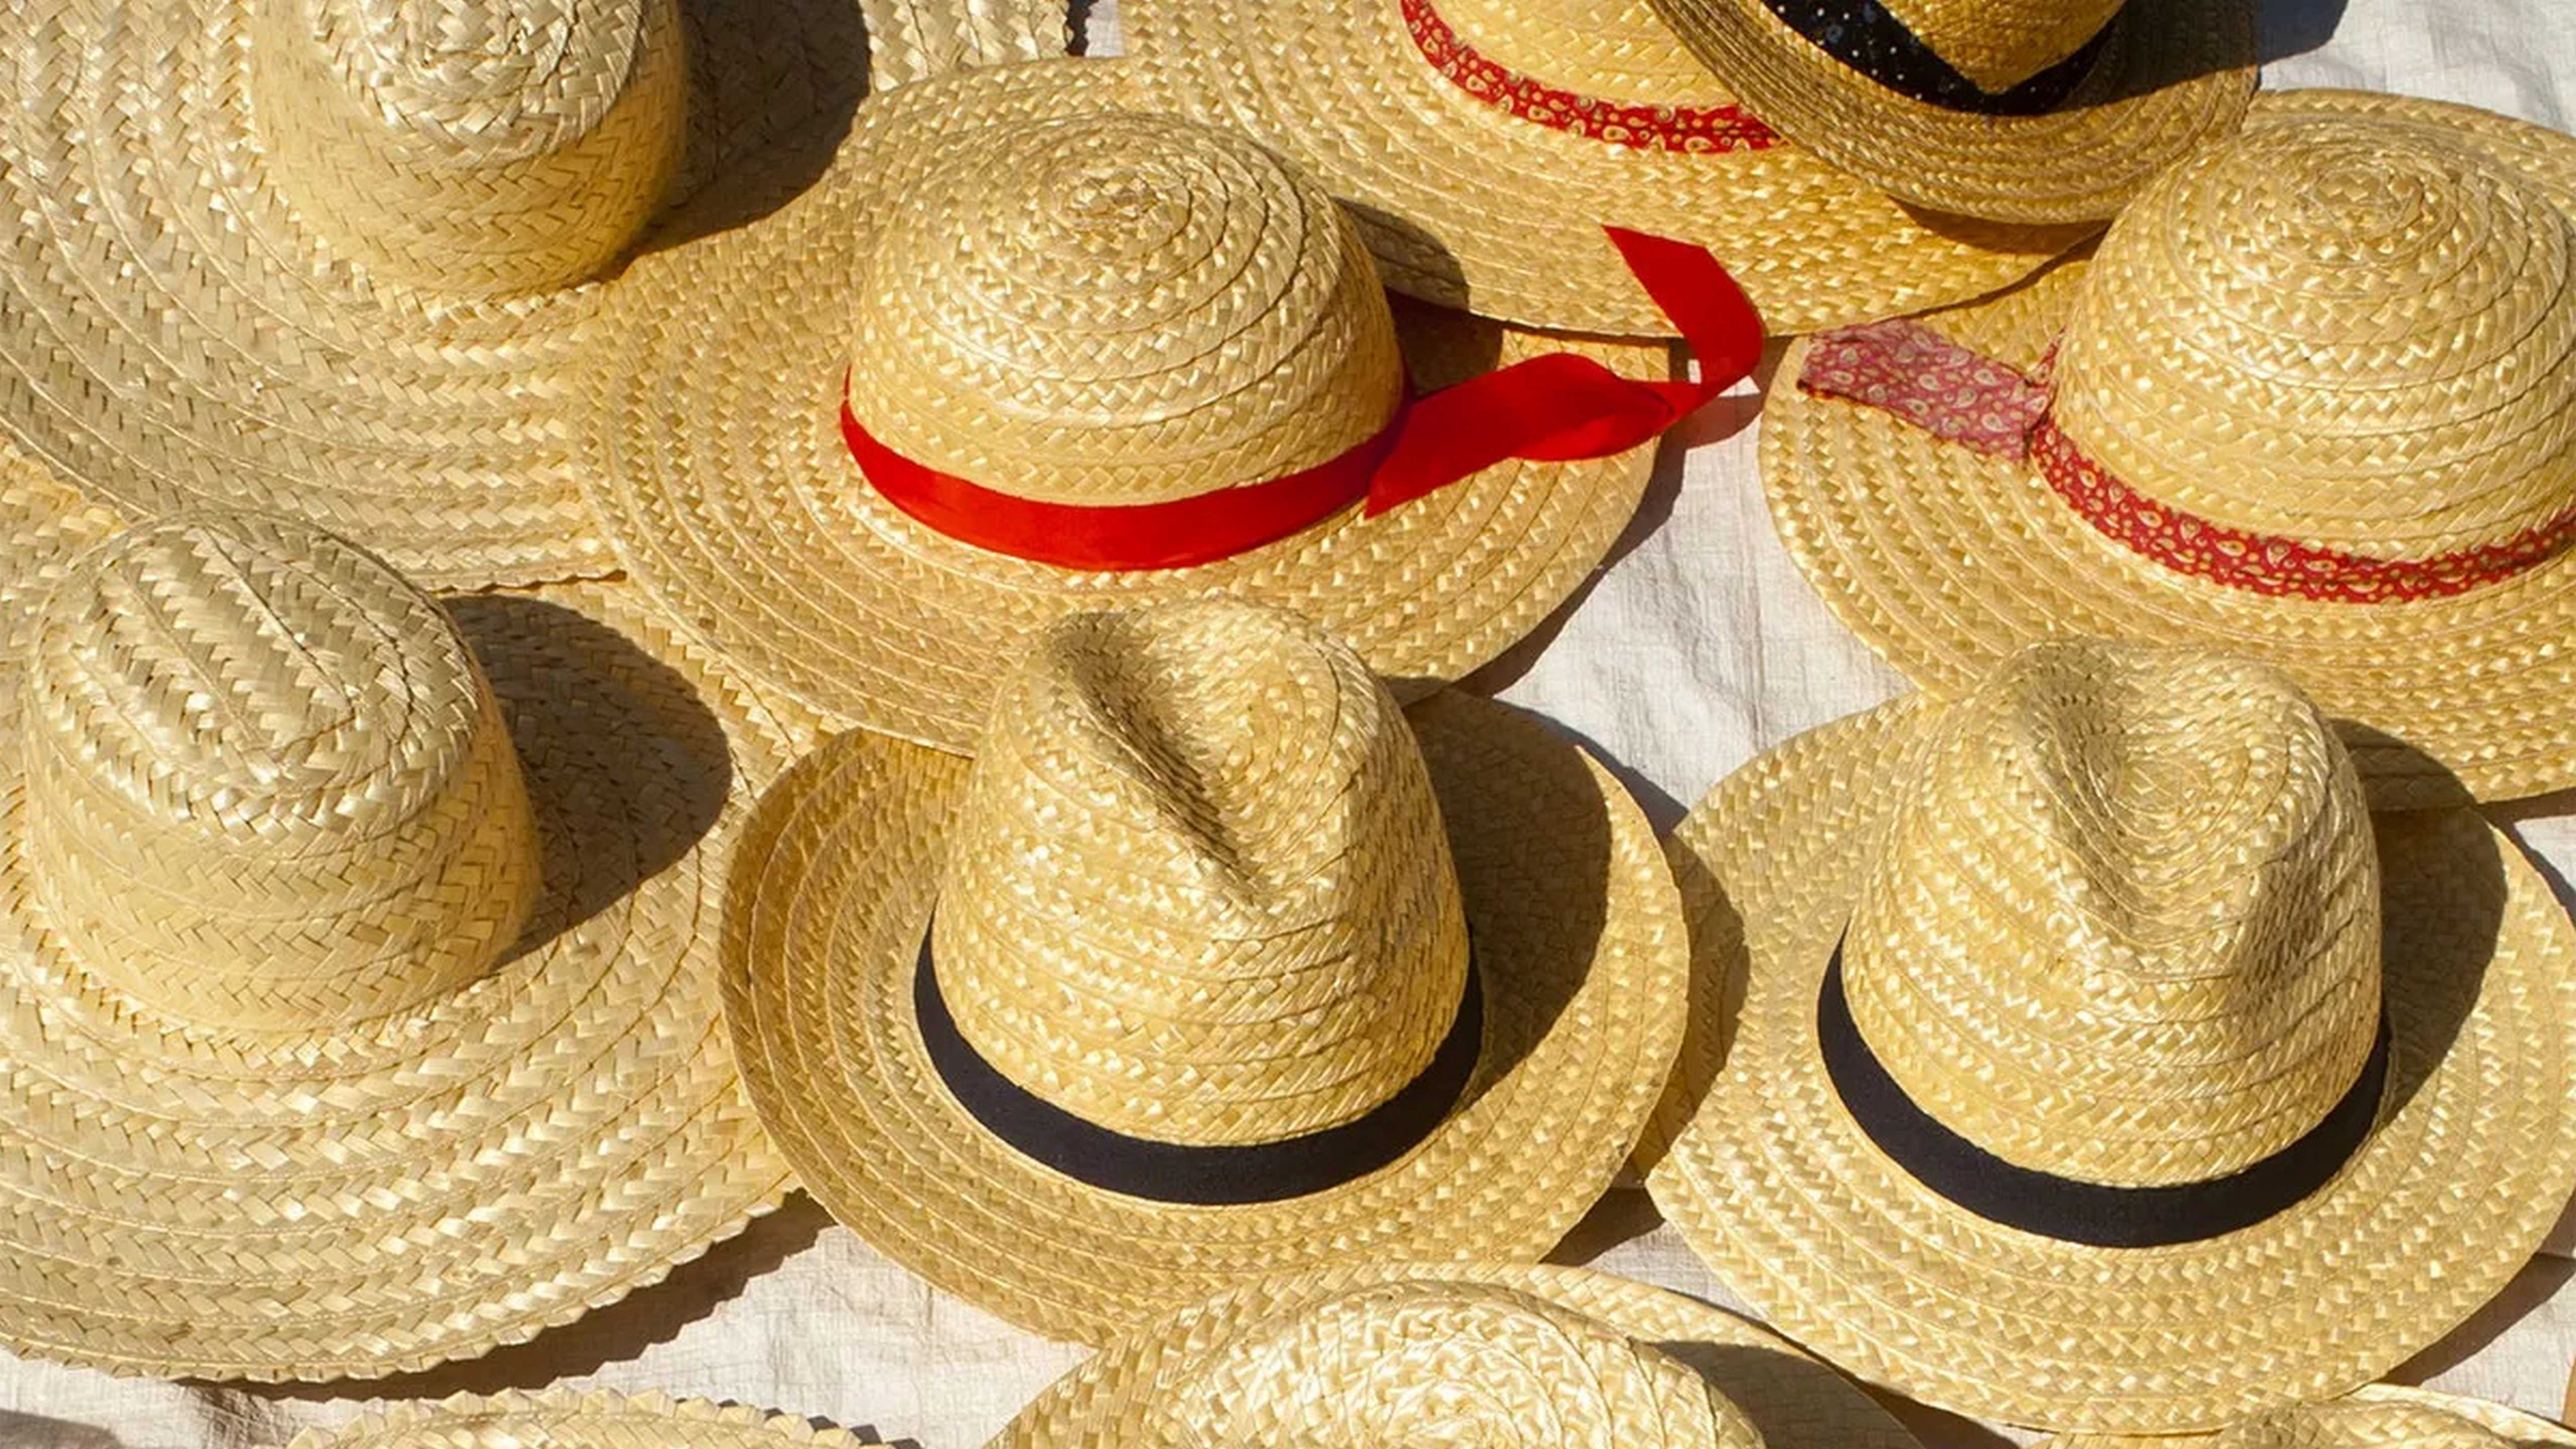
pixel 773 87
pixel 604 665
pixel 35 1431
pixel 618 1333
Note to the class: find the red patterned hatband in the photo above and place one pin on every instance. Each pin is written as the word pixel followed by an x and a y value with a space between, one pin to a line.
pixel 1708 129
pixel 1972 401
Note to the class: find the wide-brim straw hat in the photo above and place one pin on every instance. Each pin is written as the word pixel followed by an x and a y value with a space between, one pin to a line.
pixel 243 1184
pixel 1538 880
pixel 1946 558
pixel 1483 144
pixel 1766 1171
pixel 1788 1399
pixel 723 471
pixel 575 1419
pixel 2037 111
pixel 2375 1416
pixel 352 283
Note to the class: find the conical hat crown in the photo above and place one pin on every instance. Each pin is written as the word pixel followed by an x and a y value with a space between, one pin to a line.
pixel 1119 309
pixel 267 784
pixel 2124 926
pixel 1197 890
pixel 1998 44
pixel 2349 333
pixel 472 148
pixel 1441 1366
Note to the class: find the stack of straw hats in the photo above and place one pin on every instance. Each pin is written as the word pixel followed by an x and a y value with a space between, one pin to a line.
pixel 612 607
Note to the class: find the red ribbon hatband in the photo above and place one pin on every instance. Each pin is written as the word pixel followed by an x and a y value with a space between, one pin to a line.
pixel 1700 129
pixel 1964 398
pixel 1554 408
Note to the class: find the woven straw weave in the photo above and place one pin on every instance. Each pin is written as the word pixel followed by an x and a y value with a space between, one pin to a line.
pixel 2375 1416
pixel 356 1010
pixel 2353 327
pixel 2050 975
pixel 566 1419
pixel 2000 43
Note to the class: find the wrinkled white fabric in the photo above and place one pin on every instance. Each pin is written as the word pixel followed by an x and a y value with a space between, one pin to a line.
pixel 1699 646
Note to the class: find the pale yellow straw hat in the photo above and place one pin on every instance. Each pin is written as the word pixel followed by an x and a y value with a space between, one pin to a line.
pixel 1023 282
pixel 339 257
pixel 565 1419
pixel 1238 970
pixel 1486 1354
pixel 1483 144
pixel 2375 1416
pixel 2314 401
pixel 357 989
pixel 2018 110
pixel 2074 1055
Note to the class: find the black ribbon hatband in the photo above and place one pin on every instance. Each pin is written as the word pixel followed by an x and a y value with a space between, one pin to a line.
pixel 1865 36
pixel 1198 1176
pixel 2097 1214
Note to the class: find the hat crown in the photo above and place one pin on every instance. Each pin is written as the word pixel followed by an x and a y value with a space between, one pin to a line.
pixel 266 783
pixel 1998 44
pixel 2349 332
pixel 1197 889
pixel 1119 309
pixel 2363 1424
pixel 1434 1364
pixel 472 148
pixel 2123 926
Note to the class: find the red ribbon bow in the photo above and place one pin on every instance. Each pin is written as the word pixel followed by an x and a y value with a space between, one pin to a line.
pixel 1551 409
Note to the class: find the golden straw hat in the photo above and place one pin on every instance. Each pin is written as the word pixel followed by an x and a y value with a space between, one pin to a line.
pixel 2375 1416
pixel 2082 1054
pixel 1483 144
pixel 564 1419
pixel 1091 357
pixel 1483 1354
pixel 1238 970
pixel 357 993
pixel 2029 111
pixel 2314 401
pixel 339 257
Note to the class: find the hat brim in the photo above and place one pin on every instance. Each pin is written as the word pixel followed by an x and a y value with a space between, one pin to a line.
pixel 1946 560
pixel 1467 205
pixel 2171 75
pixel 1757 1163
pixel 1579 955
pixel 184 1201
pixel 2529 1431
pixel 722 475
pixel 1795 1401
pixel 175 334
pixel 566 1419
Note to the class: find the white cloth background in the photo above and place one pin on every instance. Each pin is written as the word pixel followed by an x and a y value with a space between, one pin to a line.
pixel 1699 646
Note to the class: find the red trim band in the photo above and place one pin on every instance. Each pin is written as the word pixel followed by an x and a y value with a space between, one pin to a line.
pixel 1699 129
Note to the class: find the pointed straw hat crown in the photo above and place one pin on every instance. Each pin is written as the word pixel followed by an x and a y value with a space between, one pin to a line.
pixel 2124 924
pixel 472 148
pixel 1119 309
pixel 2346 333
pixel 1439 1363
pixel 267 784
pixel 1998 44
pixel 1195 902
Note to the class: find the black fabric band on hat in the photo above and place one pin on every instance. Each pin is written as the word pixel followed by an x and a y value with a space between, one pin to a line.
pixel 1197 1176
pixel 1863 35
pixel 2097 1214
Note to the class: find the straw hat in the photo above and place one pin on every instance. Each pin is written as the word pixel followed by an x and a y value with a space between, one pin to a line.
pixel 2090 1063
pixel 2375 1416
pixel 1017 287
pixel 563 1419
pixel 2020 110
pixel 356 984
pixel 338 257
pixel 1238 970
pixel 1484 143
pixel 1456 1354
pixel 2314 401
